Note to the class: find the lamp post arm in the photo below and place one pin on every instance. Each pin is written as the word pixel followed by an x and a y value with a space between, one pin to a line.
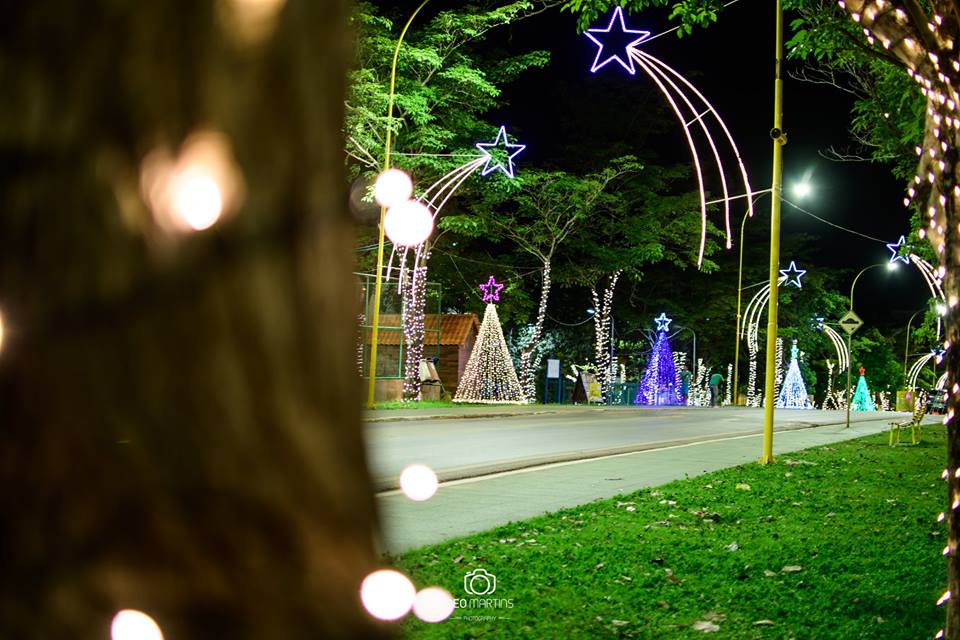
pixel 378 286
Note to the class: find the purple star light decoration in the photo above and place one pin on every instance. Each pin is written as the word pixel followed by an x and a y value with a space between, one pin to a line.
pixel 491 290
pixel 895 250
pixel 512 151
pixel 615 39
pixel 793 275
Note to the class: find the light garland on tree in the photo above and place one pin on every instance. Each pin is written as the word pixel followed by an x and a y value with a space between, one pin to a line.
pixel 700 389
pixel 828 399
pixel 692 110
pixel 361 319
pixel 489 376
pixel 753 399
pixel 793 393
pixel 728 396
pixel 528 367
pixel 602 320
pixel 778 372
pixel 659 385
pixel 414 307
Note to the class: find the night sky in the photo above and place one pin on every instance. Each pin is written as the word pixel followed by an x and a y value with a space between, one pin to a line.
pixel 732 64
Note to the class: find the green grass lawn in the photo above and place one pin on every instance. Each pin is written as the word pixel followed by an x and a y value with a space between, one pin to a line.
pixel 834 542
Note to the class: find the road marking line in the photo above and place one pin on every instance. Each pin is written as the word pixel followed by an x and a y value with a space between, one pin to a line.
pixel 552 465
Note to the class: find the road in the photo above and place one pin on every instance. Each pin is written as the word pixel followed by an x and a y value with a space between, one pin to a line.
pixel 462 447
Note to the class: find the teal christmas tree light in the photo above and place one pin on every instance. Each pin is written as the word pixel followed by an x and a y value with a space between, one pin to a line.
pixel 862 400
pixel 660 384
pixel 793 392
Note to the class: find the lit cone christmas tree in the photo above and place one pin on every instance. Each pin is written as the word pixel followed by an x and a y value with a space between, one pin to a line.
pixel 793 393
pixel 862 400
pixel 660 384
pixel 489 376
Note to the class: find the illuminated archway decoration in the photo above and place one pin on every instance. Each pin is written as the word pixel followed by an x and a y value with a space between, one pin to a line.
pixel 917 367
pixel 689 105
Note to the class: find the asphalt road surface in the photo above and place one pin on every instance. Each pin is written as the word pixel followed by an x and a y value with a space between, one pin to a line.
pixel 459 447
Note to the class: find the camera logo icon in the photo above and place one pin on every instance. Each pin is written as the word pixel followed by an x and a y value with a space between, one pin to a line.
pixel 479 582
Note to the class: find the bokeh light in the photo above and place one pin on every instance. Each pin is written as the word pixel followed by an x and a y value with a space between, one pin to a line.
pixel 418 482
pixel 196 199
pixel 195 190
pixel 387 594
pixel 408 224
pixel 131 624
pixel 392 188
pixel 433 604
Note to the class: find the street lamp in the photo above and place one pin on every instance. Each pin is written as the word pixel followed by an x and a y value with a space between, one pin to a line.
pixel 906 348
pixel 375 331
pixel 891 266
pixel 798 187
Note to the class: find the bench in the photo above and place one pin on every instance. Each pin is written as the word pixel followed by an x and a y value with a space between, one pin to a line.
pixel 919 411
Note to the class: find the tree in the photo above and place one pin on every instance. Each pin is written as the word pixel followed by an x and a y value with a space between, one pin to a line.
pixel 539 216
pixel 181 421
pixel 443 86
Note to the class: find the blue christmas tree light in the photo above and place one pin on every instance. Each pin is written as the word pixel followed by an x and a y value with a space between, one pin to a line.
pixel 793 393
pixel 660 384
pixel 862 400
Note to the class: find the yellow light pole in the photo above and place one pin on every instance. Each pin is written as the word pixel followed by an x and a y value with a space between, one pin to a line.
pixel 779 139
pixel 375 331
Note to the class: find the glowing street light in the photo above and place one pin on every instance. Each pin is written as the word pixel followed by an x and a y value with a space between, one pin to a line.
pixel 408 224
pixel 392 187
pixel 802 189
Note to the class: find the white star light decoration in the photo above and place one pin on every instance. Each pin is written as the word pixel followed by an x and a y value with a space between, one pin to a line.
pixel 620 35
pixel 895 250
pixel 663 322
pixel 512 151
pixel 793 275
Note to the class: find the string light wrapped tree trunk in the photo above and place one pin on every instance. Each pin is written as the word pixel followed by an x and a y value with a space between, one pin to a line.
pixel 602 324
pixel 181 418
pixel 923 39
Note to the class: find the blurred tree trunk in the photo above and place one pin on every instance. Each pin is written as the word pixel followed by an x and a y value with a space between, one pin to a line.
pixel 179 416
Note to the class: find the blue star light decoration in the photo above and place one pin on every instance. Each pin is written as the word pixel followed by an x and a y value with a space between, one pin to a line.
pixel 491 290
pixel 793 275
pixel 617 42
pixel 512 151
pixel 895 250
pixel 663 322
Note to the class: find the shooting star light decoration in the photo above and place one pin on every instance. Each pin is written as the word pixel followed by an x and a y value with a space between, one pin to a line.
pixel 689 105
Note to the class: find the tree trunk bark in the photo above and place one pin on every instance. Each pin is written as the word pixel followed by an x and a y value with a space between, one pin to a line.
pixel 180 415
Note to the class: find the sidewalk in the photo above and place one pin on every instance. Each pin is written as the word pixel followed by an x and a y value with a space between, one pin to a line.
pixel 466 506
pixel 480 411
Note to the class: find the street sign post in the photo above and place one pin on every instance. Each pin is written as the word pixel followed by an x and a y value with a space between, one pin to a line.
pixel 851 322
